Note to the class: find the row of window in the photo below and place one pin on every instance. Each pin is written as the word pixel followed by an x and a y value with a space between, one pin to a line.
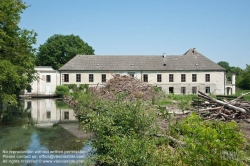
pixel 171 78
pixel 65 78
pixel 183 90
pixel 145 77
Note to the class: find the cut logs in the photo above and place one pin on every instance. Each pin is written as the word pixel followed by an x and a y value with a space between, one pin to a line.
pixel 212 108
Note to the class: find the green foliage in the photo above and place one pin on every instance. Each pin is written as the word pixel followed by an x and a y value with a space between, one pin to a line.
pixel 125 134
pixel 242 76
pixel 59 49
pixel 84 87
pixel 116 125
pixel 62 105
pixel 62 90
pixel 72 86
pixel 16 53
pixel 244 82
pixel 209 142
pixel 225 65
pixel 240 92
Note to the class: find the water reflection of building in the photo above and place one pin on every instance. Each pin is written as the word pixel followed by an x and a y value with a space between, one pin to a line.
pixel 45 112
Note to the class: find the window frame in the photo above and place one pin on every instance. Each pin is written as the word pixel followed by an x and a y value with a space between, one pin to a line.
pixel 91 77
pixel 145 77
pixel 207 77
pixel 183 77
pixel 171 89
pixel 78 78
pixel 194 88
pixel 66 115
pixel 65 78
pixel 183 90
pixel 104 78
pixel 207 90
pixel 48 78
pixel 171 77
pixel 194 77
pixel 159 78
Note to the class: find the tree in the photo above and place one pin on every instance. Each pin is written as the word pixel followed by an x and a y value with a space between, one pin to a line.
pixel 244 81
pixel 59 49
pixel 17 58
pixel 225 65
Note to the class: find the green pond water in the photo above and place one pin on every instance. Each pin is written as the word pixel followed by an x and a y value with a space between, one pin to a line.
pixel 31 135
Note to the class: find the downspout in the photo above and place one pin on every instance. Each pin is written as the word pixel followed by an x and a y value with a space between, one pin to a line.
pixel 141 75
pixel 60 78
pixel 224 82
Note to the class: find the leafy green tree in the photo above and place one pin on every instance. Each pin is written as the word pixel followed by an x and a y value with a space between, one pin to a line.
pixel 59 49
pixel 17 56
pixel 244 82
pixel 225 65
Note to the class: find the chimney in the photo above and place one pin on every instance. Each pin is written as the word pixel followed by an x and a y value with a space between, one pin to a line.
pixel 164 55
pixel 194 50
pixel 164 59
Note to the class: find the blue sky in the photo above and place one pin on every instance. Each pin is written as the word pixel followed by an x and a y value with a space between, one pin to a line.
pixel 218 29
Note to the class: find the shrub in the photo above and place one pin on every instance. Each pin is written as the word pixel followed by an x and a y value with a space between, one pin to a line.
pixel 209 142
pixel 62 90
pixel 72 87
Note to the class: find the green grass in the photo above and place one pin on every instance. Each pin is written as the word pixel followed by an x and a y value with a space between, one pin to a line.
pixel 240 92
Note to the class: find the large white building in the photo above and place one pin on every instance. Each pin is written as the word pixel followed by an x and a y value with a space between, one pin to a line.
pixel 179 74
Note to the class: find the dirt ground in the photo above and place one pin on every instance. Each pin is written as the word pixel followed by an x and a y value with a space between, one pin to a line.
pixel 245 128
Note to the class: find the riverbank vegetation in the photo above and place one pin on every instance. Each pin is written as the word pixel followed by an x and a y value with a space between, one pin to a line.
pixel 17 56
pixel 130 132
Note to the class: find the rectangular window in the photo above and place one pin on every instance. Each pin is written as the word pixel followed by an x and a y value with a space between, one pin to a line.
pixel 171 78
pixel 65 78
pixel 103 77
pixel 158 77
pixel 48 78
pixel 91 77
pixel 145 78
pixel 171 89
pixel 194 77
pixel 207 89
pixel 29 88
pixel 29 104
pixel 183 90
pixel 183 77
pixel 48 114
pixel 207 77
pixel 78 77
pixel 194 90
pixel 132 74
pixel 66 115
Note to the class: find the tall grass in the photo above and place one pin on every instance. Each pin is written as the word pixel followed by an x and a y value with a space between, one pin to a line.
pixel 240 92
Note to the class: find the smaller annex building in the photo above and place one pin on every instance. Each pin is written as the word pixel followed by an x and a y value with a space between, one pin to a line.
pixel 178 74
pixel 46 82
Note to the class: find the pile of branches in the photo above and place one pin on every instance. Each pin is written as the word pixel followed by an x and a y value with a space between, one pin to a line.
pixel 224 110
pixel 129 86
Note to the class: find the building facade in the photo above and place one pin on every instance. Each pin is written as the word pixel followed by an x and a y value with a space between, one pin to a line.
pixel 178 74
pixel 182 74
pixel 46 82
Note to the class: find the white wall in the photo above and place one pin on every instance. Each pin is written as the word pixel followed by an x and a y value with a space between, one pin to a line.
pixel 216 83
pixel 41 86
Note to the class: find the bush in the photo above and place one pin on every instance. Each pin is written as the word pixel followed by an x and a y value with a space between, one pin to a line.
pixel 209 142
pixel 62 90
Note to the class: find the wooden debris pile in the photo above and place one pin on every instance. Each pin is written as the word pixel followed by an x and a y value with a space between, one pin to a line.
pixel 224 110
pixel 131 86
